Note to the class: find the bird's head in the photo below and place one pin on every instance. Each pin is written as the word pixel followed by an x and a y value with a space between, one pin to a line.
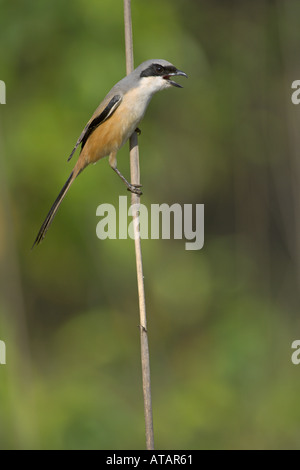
pixel 158 74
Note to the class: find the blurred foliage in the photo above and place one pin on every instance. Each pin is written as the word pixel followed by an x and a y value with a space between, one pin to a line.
pixel 221 320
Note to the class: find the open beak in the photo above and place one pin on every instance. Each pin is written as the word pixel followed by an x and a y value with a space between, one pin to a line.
pixel 177 73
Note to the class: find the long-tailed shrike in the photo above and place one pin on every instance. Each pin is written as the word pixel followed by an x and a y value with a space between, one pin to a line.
pixel 114 121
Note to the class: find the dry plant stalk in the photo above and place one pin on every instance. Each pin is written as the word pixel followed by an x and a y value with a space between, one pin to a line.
pixel 135 200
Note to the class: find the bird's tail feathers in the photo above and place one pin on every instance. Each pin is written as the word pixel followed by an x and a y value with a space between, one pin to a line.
pixel 51 214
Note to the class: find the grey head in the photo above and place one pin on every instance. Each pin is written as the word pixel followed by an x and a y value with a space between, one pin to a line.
pixel 154 68
pixel 152 75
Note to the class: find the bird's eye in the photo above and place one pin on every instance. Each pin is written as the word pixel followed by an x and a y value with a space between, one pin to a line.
pixel 159 68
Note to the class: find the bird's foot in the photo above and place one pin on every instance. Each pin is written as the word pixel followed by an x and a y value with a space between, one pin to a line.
pixel 135 188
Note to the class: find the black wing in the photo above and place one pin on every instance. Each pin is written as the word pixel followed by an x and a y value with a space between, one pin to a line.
pixel 91 125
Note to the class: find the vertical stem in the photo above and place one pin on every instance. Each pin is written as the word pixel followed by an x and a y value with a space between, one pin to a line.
pixel 135 200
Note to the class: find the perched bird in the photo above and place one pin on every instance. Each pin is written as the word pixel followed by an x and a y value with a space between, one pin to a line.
pixel 114 121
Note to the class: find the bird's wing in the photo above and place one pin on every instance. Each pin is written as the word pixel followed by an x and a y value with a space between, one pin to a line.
pixel 99 116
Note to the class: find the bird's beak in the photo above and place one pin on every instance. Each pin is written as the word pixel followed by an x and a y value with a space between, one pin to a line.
pixel 177 73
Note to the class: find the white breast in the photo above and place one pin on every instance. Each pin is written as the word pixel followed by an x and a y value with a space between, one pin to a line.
pixel 135 103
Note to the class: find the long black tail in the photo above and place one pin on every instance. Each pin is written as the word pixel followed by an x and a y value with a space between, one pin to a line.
pixel 53 210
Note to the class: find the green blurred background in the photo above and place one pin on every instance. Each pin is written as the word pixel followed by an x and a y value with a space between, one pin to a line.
pixel 221 320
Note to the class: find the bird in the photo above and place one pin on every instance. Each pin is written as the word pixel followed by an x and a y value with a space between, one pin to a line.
pixel 114 121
